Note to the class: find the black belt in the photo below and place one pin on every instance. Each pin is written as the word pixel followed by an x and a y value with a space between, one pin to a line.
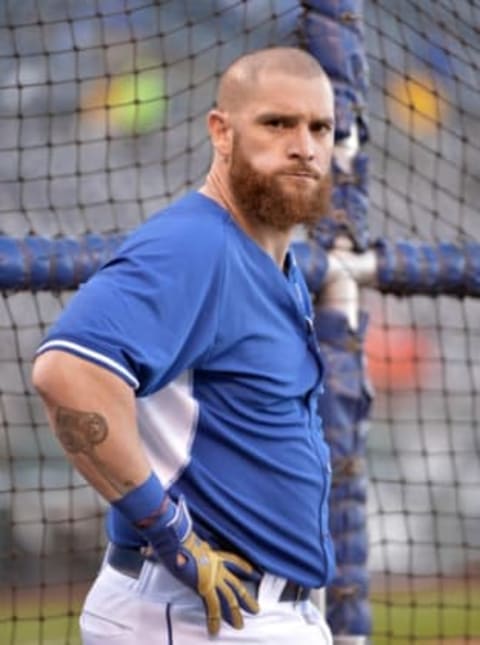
pixel 130 563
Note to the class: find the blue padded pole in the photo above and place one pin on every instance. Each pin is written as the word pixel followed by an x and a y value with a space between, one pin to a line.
pixel 407 267
pixel 404 267
pixel 334 35
pixel 39 263
pixel 344 409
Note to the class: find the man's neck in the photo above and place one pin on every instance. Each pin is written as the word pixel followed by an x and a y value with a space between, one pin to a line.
pixel 274 242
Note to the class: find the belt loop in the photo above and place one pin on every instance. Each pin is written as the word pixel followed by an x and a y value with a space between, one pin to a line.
pixel 270 588
pixel 299 595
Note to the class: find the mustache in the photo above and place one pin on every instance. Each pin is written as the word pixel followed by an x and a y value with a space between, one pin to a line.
pixel 303 169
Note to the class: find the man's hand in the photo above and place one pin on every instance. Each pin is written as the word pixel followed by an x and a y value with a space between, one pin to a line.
pixel 212 574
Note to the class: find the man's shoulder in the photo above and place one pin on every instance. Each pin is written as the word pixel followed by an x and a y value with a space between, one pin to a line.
pixel 193 211
pixel 191 223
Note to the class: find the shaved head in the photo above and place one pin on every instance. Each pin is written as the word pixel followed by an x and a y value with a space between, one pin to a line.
pixel 242 76
pixel 273 133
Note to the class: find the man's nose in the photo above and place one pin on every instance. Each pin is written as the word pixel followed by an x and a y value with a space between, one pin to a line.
pixel 302 145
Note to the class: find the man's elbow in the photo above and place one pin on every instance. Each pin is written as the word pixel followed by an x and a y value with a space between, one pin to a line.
pixel 45 373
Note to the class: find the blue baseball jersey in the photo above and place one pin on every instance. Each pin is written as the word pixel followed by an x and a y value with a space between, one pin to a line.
pixel 219 345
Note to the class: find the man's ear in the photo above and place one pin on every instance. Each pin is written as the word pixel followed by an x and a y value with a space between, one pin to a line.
pixel 221 132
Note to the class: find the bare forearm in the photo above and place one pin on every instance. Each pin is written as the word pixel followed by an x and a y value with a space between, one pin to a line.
pixel 110 466
pixel 92 413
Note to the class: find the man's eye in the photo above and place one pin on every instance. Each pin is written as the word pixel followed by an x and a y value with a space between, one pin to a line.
pixel 276 123
pixel 321 128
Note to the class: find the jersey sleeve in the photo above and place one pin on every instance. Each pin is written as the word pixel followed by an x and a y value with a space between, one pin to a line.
pixel 151 312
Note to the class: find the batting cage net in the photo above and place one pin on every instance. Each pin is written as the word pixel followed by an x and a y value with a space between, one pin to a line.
pixel 102 110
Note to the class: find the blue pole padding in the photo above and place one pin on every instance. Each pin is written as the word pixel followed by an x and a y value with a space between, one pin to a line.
pixel 408 267
pixel 38 263
pixel 344 407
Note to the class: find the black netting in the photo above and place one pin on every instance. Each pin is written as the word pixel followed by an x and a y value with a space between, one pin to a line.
pixel 102 109
pixel 424 444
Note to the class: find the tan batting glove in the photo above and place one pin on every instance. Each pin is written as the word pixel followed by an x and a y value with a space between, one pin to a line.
pixel 214 575
pixel 222 592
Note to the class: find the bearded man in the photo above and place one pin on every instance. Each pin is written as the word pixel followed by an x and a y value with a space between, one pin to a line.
pixel 182 382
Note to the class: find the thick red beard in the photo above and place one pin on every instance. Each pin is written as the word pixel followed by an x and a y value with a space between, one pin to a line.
pixel 262 198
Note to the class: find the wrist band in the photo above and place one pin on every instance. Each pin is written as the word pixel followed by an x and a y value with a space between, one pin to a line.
pixel 143 502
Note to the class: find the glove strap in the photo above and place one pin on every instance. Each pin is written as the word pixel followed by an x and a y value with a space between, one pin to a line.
pixel 166 535
pixel 149 500
pixel 151 511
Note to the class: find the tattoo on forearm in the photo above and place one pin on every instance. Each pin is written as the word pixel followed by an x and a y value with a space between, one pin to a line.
pixel 81 433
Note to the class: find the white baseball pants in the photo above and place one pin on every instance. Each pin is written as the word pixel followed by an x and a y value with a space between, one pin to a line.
pixel 157 609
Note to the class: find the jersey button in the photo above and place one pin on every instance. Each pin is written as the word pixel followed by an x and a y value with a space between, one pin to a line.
pixel 309 324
